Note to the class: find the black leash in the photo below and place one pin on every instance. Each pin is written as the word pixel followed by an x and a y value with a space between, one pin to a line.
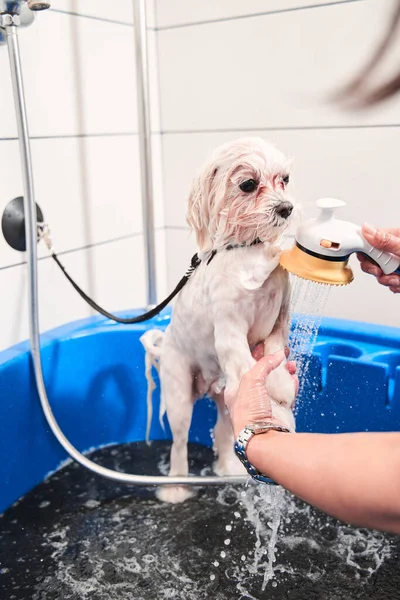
pixel 195 262
pixel 146 316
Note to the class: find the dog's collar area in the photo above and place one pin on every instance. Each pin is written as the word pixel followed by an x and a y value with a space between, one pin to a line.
pixel 233 247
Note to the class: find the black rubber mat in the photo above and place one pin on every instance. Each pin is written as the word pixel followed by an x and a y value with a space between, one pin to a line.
pixel 78 537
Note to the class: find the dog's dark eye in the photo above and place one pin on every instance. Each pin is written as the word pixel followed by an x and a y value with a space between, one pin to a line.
pixel 285 179
pixel 248 186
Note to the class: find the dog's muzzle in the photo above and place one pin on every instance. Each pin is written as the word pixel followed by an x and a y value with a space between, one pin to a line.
pixel 284 210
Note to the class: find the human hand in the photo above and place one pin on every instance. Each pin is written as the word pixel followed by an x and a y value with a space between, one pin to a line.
pixel 389 241
pixel 252 402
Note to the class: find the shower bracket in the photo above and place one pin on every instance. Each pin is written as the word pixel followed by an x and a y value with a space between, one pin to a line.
pixel 13 224
pixel 6 20
pixel 15 13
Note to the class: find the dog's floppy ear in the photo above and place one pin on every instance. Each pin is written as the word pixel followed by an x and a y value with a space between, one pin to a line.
pixel 200 203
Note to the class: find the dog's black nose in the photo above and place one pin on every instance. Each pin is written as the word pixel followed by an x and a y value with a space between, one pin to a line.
pixel 284 210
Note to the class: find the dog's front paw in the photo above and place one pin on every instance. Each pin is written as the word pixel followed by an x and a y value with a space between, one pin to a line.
pixel 228 465
pixel 275 252
pixel 282 390
pixel 281 387
pixel 284 416
pixel 174 494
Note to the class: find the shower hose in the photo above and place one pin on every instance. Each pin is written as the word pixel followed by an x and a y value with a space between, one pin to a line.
pixel 31 230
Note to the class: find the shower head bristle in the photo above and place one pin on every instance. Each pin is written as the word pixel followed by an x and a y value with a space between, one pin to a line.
pixel 304 265
pixel 36 5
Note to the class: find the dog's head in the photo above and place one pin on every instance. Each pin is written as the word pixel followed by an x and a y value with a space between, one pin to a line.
pixel 240 195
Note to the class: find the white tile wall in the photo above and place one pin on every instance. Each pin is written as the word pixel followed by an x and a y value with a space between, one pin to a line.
pixel 178 12
pixel 271 71
pixel 181 246
pixel 88 188
pixel 118 10
pixel 163 287
pixel 79 76
pixel 155 109
pixel 267 75
pixel 79 72
pixel 8 127
pixel 106 270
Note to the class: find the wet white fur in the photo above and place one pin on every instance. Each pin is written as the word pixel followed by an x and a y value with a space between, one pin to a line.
pixel 237 300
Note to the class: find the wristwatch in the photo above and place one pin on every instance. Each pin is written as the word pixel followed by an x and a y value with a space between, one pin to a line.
pixel 244 438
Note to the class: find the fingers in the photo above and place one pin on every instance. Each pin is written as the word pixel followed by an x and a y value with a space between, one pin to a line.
pixel 390 281
pixel 383 239
pixel 369 267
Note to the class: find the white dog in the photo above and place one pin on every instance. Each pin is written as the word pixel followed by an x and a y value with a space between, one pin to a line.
pixel 237 297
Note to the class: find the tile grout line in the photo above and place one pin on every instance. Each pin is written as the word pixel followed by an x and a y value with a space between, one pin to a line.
pixel 255 15
pixel 121 238
pixel 84 135
pixel 78 249
pixel 95 18
pixel 77 136
pixel 207 131
pixel 294 128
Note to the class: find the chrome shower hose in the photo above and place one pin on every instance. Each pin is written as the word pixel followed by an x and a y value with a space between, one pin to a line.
pixel 31 245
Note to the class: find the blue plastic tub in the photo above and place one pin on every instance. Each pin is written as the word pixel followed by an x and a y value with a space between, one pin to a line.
pixel 94 373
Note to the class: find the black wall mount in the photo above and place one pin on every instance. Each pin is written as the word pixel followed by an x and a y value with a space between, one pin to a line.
pixel 13 223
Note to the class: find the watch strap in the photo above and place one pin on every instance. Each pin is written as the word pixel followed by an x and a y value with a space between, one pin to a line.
pixel 242 442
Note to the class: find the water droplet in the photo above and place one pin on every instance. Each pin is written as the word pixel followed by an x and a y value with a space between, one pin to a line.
pixel 92 504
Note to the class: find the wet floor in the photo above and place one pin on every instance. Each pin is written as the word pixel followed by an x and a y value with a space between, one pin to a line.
pixel 78 537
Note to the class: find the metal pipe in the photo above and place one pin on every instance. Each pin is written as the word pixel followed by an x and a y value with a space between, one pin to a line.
pixel 143 107
pixel 31 240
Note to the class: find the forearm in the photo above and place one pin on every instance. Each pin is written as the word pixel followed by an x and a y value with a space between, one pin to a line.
pixel 353 477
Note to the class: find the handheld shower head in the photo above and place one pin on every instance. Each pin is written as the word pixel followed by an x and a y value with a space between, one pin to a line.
pixel 16 7
pixel 323 246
